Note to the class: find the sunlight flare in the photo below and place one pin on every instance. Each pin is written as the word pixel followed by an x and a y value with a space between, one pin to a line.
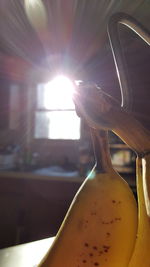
pixel 58 94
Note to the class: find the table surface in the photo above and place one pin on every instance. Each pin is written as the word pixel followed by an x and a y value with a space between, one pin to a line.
pixel 25 255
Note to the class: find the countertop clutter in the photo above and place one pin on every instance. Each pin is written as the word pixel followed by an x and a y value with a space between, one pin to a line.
pixel 25 255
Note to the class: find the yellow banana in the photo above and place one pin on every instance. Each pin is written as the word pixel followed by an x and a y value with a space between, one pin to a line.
pixel 146 181
pixel 101 224
pixel 103 112
pixel 140 256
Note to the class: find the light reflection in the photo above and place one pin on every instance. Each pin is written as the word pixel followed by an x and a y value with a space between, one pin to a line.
pixel 92 174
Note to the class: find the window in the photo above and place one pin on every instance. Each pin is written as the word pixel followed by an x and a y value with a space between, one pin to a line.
pixel 55 116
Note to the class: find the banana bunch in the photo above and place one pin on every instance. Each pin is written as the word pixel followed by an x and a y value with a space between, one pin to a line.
pixel 102 111
pixel 103 226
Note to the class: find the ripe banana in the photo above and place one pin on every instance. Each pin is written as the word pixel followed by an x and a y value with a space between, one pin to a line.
pixel 101 224
pixel 140 256
pixel 103 112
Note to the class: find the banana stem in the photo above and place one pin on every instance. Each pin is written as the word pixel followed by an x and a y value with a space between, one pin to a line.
pixel 132 133
pixel 101 111
pixel 101 150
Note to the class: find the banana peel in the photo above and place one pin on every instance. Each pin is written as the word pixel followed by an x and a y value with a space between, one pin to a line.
pixel 101 224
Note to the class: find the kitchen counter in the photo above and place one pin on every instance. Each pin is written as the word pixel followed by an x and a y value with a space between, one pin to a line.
pixel 69 177
pixel 25 255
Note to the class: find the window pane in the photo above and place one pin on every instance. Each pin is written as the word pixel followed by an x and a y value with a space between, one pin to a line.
pixel 40 96
pixel 14 116
pixel 57 125
pixel 42 124
pixel 56 94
